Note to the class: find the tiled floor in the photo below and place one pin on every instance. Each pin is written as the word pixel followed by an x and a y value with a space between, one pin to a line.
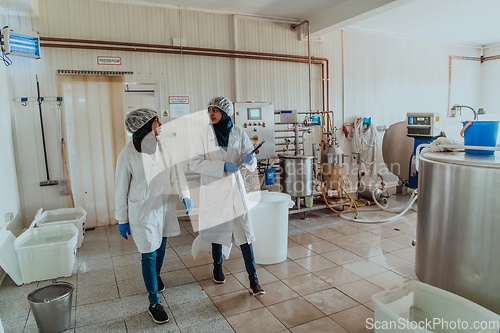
pixel 325 285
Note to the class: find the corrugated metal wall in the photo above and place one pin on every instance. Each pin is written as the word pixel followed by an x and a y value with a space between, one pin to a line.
pixel 385 77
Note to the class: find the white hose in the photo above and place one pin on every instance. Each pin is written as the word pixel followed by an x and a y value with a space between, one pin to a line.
pixel 362 145
pixel 413 198
pixel 391 210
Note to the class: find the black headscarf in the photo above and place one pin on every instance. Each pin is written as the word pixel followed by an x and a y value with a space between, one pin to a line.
pixel 222 129
pixel 144 139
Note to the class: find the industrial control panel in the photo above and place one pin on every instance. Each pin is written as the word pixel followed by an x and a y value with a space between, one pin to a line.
pixel 257 121
pixel 423 125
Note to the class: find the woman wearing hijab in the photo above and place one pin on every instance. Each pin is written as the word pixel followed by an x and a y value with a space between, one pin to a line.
pixel 146 179
pixel 224 217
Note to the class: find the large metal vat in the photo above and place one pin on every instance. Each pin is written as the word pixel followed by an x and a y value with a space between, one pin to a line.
pixel 397 149
pixel 458 225
pixel 296 175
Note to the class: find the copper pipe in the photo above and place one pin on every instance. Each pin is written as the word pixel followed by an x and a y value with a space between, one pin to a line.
pixel 169 49
pixel 327 65
pixel 491 58
pixel 207 54
pixel 450 64
pixel 323 84
pixel 178 48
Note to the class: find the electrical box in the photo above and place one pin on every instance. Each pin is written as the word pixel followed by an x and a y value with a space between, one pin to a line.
pixel 288 116
pixel 424 125
pixel 21 42
pixel 257 121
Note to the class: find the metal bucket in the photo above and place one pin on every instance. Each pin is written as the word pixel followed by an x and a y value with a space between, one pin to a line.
pixel 51 306
pixel 296 175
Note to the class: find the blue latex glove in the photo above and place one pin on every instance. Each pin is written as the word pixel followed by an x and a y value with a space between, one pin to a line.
pixel 188 203
pixel 248 158
pixel 230 167
pixel 124 228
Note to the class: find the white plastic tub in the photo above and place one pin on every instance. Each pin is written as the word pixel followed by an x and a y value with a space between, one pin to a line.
pixel 76 216
pixel 419 307
pixel 270 224
pixel 46 253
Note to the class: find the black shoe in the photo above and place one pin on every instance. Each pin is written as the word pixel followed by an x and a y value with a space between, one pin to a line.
pixel 158 314
pixel 161 286
pixel 218 274
pixel 255 287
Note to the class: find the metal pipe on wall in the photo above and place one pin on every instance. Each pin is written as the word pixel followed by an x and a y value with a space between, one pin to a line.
pixel 450 62
pixel 169 49
pixel 294 27
pixel 309 56
pixel 172 47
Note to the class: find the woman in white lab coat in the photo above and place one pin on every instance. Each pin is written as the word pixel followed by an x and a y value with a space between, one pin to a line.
pixel 145 183
pixel 224 217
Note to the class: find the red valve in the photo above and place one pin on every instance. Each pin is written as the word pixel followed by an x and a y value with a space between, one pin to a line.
pixel 362 174
pixel 346 131
pixel 257 151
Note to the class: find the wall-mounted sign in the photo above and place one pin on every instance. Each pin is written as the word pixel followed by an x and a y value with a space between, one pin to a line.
pixel 179 106
pixel 109 60
pixel 178 99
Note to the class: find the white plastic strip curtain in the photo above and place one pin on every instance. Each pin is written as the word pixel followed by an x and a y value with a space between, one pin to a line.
pixel 95 134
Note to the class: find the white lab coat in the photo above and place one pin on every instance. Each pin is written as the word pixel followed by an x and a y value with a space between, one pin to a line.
pixel 145 195
pixel 224 217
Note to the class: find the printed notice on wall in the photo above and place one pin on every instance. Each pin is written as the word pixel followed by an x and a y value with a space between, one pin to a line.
pixel 109 60
pixel 179 106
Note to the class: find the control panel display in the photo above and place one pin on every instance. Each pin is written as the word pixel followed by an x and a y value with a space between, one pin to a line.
pixel 421 125
pixel 419 120
pixel 254 113
pixel 257 121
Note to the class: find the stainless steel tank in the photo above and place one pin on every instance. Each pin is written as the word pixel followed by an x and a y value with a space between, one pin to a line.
pixel 333 155
pixel 458 225
pixel 397 149
pixel 296 175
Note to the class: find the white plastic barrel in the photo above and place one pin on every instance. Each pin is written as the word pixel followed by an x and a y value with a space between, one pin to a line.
pixel 421 308
pixel 270 223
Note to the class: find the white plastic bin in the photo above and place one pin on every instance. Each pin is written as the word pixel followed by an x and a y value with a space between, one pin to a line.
pixel 269 211
pixel 77 216
pixel 46 253
pixel 419 307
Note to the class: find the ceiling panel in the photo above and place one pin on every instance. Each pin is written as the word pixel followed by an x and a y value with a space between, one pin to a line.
pixel 470 22
pixel 291 9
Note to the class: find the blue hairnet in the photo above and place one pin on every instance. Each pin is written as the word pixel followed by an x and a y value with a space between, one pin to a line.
pixel 222 103
pixel 137 118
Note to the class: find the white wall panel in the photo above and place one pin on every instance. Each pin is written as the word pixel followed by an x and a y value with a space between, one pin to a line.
pixel 9 194
pixel 490 99
pixel 385 77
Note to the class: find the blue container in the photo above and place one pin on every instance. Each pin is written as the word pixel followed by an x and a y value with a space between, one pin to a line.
pixel 481 133
pixel 270 176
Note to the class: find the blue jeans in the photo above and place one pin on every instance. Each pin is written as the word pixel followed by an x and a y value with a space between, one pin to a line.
pixel 151 266
pixel 246 250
